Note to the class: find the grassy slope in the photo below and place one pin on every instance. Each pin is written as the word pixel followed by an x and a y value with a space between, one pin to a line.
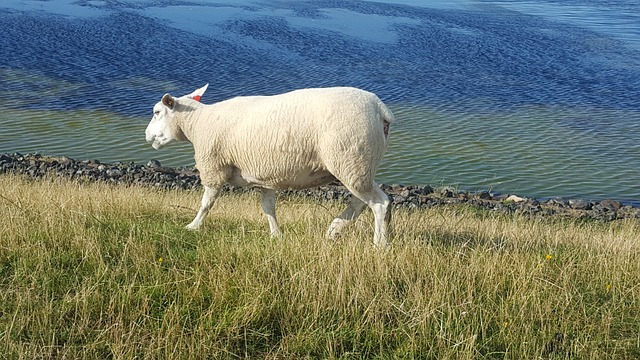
pixel 95 271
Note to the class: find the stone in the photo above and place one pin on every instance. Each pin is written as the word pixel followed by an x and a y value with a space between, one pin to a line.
pixel 611 205
pixel 66 162
pixel 484 195
pixel 448 191
pixel 515 199
pixel 399 199
pixel 5 159
pixel 580 204
pixel 409 197
pixel 114 172
pixel 557 202
pixel 424 190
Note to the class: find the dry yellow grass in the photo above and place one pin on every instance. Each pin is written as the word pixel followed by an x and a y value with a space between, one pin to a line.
pixel 97 271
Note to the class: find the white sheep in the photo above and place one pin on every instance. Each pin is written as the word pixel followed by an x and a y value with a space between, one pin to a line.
pixel 296 140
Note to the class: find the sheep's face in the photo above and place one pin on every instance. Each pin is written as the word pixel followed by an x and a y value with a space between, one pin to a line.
pixel 159 132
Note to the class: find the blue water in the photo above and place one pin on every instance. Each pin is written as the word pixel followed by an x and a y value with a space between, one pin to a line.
pixel 539 98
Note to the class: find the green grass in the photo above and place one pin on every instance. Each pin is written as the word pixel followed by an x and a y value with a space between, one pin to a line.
pixel 104 272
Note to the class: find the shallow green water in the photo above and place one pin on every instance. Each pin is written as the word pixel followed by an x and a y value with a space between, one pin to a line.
pixel 529 150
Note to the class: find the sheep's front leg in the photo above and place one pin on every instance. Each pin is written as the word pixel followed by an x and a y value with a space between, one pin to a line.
pixel 268 197
pixel 208 198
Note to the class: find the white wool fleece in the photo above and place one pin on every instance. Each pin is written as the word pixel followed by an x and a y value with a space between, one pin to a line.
pixel 294 140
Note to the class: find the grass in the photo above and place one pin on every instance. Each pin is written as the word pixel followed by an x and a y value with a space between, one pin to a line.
pixel 105 272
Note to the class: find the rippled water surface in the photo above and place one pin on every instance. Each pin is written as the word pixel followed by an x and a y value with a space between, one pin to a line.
pixel 539 98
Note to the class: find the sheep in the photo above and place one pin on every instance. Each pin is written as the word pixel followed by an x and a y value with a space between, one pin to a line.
pixel 296 140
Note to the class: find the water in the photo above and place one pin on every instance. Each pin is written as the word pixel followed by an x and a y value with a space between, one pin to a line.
pixel 538 98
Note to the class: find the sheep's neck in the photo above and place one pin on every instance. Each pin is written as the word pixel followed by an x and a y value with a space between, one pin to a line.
pixel 183 126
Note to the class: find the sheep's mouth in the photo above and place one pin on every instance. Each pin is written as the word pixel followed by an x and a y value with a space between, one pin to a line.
pixel 155 142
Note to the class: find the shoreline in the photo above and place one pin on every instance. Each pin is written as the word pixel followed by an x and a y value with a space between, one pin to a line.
pixel 410 197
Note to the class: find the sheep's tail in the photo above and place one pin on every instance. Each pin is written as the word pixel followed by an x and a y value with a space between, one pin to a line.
pixel 387 118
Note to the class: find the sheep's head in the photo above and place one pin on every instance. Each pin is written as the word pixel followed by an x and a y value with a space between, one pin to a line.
pixel 161 129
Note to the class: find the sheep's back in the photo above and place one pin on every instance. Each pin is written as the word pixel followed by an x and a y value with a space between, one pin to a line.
pixel 310 131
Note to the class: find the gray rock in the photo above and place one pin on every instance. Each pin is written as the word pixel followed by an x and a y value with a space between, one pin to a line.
pixel 114 172
pixel 411 197
pixel 424 190
pixel 399 199
pixel 611 205
pixel 448 191
pixel 5 159
pixel 557 202
pixel 580 204
pixel 485 195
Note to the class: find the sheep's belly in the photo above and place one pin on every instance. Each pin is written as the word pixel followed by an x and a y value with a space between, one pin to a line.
pixel 301 180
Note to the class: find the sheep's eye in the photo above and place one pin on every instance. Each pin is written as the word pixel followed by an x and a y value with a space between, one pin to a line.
pixel 156 112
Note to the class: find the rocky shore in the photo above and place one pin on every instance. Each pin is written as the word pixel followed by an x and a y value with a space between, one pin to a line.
pixel 412 197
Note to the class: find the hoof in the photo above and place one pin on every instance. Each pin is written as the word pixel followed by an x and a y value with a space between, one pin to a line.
pixel 192 227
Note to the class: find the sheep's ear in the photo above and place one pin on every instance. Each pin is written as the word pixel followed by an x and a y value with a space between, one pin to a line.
pixel 168 101
pixel 197 94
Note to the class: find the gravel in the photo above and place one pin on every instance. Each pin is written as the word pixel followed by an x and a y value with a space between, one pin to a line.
pixel 153 174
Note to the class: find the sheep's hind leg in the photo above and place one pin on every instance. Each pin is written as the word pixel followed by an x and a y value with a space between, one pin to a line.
pixel 379 203
pixel 208 198
pixel 268 197
pixel 346 217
